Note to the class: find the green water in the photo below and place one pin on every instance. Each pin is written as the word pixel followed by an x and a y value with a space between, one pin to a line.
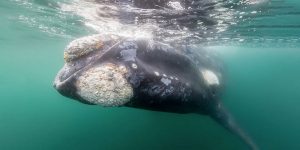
pixel 262 92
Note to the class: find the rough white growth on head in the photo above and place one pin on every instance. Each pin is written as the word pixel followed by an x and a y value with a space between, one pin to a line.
pixel 105 85
pixel 166 81
pixel 82 46
pixel 210 77
pixel 175 5
pixel 134 66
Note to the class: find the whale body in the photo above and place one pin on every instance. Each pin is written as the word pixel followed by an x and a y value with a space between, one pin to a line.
pixel 111 70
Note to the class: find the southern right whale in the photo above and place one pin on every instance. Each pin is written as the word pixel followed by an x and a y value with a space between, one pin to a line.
pixel 110 70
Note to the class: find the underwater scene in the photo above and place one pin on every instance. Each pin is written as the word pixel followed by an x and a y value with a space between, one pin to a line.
pixel 150 74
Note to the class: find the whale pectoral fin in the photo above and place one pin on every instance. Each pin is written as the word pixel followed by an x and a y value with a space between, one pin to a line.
pixel 223 117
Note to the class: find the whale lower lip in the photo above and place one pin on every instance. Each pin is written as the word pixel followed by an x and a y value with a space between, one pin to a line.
pixel 61 83
pixel 67 88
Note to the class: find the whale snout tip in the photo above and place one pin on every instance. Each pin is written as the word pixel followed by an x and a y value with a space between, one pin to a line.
pixel 61 84
pixel 58 85
pixel 101 84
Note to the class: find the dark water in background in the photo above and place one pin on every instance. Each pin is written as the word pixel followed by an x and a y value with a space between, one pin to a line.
pixel 262 59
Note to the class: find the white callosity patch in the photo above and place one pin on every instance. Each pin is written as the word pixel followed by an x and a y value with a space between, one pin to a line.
pixel 82 46
pixel 166 81
pixel 175 5
pixel 210 77
pixel 134 66
pixel 105 85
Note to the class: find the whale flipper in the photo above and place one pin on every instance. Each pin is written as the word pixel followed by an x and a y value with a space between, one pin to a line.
pixel 224 118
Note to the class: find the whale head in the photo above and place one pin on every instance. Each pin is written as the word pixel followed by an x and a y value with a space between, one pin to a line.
pixel 89 77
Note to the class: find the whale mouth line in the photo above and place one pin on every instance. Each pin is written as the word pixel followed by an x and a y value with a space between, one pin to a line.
pixel 58 81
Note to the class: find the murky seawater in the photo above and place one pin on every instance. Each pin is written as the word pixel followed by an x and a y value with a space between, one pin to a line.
pixel 259 45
